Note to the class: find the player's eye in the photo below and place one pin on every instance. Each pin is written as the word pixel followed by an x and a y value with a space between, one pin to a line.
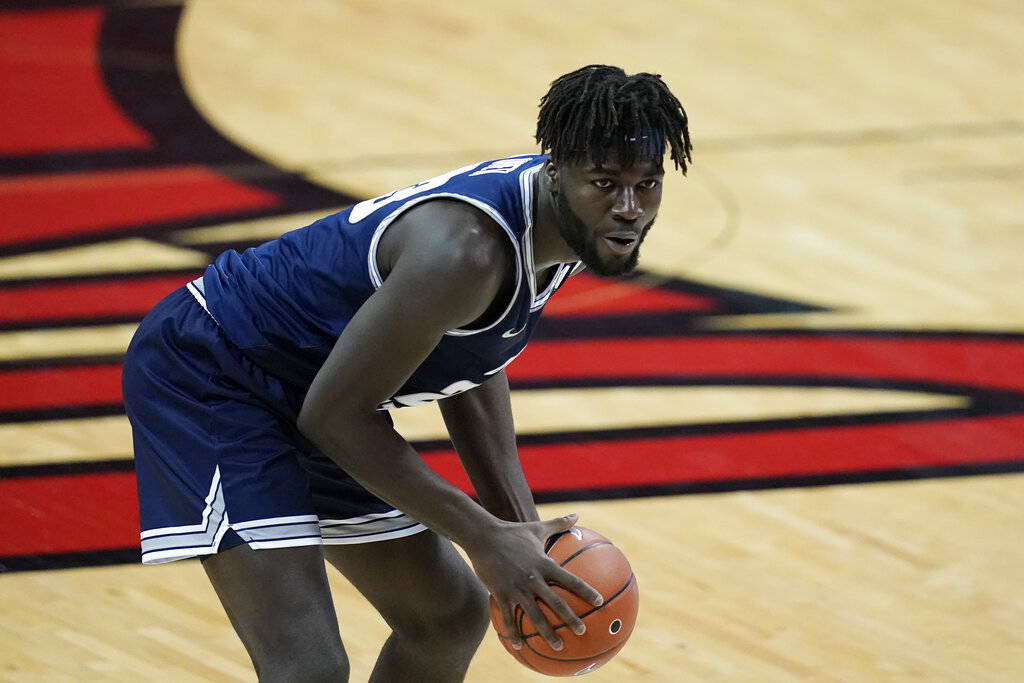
pixel 650 183
pixel 602 183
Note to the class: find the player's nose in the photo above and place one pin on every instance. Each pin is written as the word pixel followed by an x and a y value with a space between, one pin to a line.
pixel 627 207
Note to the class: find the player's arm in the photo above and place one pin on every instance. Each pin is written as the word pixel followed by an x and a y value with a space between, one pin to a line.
pixel 441 274
pixel 445 267
pixel 480 425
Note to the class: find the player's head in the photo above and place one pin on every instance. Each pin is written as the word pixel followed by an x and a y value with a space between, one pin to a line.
pixel 607 133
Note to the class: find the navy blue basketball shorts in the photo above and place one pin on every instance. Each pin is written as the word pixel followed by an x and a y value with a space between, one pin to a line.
pixel 218 458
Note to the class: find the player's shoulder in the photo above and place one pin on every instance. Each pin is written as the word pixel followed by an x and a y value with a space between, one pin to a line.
pixel 447 234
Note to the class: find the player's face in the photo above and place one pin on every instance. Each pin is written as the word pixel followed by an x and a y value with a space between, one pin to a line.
pixel 605 210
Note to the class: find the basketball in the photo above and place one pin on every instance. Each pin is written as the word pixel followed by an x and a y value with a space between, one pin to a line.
pixel 597 561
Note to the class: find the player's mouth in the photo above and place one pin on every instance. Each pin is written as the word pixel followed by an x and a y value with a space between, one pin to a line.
pixel 621 242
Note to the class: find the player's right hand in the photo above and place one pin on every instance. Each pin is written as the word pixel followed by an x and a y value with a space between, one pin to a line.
pixel 512 565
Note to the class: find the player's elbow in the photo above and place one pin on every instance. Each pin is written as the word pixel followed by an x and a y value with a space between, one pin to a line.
pixel 329 424
pixel 318 417
pixel 312 422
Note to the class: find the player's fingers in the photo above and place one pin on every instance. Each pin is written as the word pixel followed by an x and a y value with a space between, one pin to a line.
pixel 509 622
pixel 544 628
pixel 561 608
pixel 559 524
pixel 576 585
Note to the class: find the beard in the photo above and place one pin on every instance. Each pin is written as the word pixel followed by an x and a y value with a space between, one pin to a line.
pixel 576 235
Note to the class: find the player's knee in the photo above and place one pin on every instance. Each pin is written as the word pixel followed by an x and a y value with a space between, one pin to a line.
pixel 459 619
pixel 466 620
pixel 321 667
pixel 301 654
pixel 474 613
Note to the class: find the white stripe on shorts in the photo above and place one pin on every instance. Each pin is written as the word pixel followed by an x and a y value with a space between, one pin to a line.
pixel 214 494
pixel 176 542
pixel 378 526
pixel 193 540
pixel 198 291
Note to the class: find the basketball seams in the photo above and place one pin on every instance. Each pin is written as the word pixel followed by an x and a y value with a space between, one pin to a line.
pixel 526 662
pixel 612 649
pixel 520 615
pixel 519 655
pixel 553 541
pixel 581 551
pixel 607 602
pixel 609 564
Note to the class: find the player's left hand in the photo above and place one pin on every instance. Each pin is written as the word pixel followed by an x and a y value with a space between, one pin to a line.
pixel 513 566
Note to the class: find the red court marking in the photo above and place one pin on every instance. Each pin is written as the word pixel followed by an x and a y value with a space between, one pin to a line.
pixel 94 299
pixel 982 363
pixel 996 363
pixel 68 514
pixel 60 386
pixel 770 454
pixel 96 511
pixel 62 205
pixel 588 295
pixel 54 96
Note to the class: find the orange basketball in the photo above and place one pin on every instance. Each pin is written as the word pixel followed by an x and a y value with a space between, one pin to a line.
pixel 597 561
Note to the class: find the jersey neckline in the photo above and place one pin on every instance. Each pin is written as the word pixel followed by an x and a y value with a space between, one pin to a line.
pixel 537 299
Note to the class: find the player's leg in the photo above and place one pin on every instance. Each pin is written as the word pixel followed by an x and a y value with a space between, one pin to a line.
pixel 433 602
pixel 280 605
pixel 218 478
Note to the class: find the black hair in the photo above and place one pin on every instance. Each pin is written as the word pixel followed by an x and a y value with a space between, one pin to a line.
pixel 599 111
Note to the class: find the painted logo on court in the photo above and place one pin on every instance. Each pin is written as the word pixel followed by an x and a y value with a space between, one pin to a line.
pixel 115 175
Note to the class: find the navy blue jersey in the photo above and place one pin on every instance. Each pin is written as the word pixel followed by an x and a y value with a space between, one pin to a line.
pixel 285 302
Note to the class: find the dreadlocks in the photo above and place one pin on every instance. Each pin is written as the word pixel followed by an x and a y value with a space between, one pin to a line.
pixel 599 112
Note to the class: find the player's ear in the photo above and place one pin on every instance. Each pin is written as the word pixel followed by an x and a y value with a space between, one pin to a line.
pixel 551 171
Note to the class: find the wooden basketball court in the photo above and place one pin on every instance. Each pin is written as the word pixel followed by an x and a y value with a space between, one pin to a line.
pixel 803 422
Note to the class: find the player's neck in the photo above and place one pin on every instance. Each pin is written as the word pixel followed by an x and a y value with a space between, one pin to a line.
pixel 549 248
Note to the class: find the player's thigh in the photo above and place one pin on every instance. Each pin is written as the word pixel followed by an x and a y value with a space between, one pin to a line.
pixel 418 583
pixel 278 600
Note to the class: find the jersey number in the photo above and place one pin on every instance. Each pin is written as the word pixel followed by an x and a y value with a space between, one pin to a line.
pixel 409 400
pixel 365 208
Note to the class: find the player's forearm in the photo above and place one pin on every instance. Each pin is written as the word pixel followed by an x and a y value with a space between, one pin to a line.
pixel 506 495
pixel 384 463
pixel 480 425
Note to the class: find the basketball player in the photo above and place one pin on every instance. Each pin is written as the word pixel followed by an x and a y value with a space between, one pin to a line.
pixel 259 394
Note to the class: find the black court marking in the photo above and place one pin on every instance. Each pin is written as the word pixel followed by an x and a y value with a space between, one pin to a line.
pixel 183 136
pixel 93 558
pixel 980 401
pixel 682 488
pixel 60 361
pixel 566 495
pixel 180 133
pixel 57 469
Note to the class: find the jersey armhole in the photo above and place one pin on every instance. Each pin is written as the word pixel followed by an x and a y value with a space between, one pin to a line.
pixel 377 280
